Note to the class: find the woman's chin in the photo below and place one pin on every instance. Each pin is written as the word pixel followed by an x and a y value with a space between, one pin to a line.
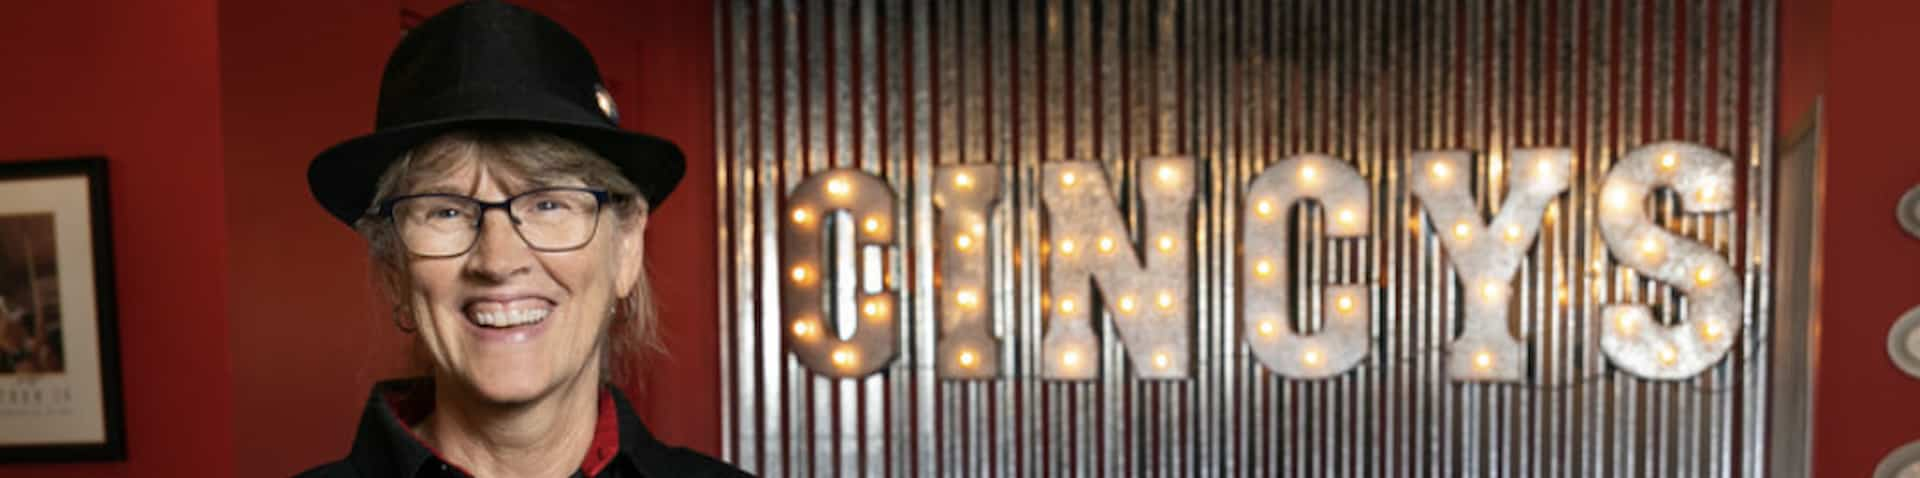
pixel 509 387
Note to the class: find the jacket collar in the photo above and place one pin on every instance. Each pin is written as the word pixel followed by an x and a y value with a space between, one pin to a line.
pixel 384 445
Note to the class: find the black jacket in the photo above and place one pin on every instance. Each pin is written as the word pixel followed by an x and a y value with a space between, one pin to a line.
pixel 385 448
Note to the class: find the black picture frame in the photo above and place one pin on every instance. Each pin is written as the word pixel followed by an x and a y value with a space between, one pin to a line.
pixel 100 225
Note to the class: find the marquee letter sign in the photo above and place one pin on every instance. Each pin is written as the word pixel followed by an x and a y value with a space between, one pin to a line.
pixel 1248 238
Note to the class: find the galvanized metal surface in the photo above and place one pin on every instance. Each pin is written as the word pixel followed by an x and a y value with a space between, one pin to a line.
pixel 896 87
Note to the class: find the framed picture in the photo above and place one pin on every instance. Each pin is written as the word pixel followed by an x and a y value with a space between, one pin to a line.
pixel 59 355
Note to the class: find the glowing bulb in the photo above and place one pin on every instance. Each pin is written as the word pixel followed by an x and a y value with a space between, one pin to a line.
pixel 1126 304
pixel 1166 300
pixel 1706 193
pixel 1070 358
pixel 1667 161
pixel 1067 179
pixel 1066 247
pixel 803 328
pixel 1263 268
pixel 963 242
pixel 800 274
pixel 1308 174
pixel 1703 276
pixel 1617 198
pixel 838 187
pixel 1167 174
pixel 967 298
pixel 1626 322
pixel 1344 304
pixel 963 180
pixel 1599 265
pixel 801 216
pixel 1560 294
pixel 1310 357
pixel 1105 244
pixel 873 308
pixel 1650 246
pixel 1513 233
pixel 1264 208
pixel 1166 243
pixel 1668 356
pixel 1160 360
pixel 1553 212
pixel 967 359
pixel 1266 328
pixel 1345 216
pixel 843 357
pixel 1462 231
pixel 1491 291
pixel 1440 170
pixel 1544 170
pixel 1066 306
pixel 872 225
pixel 1710 329
pixel 1483 360
pixel 979 229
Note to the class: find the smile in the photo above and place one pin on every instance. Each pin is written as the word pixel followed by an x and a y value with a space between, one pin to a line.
pixel 508 313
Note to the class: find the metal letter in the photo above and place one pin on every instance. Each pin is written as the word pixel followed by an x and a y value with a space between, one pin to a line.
pixel 811 281
pixel 1703 180
pixel 1343 343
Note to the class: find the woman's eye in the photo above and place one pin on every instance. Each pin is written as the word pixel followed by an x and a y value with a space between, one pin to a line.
pixel 448 213
pixel 549 205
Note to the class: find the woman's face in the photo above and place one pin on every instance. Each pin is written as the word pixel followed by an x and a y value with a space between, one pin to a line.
pixel 568 295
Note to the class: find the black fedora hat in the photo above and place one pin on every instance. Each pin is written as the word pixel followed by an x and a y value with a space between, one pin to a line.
pixel 486 64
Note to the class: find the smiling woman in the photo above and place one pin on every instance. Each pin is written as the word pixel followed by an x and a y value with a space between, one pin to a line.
pixel 505 213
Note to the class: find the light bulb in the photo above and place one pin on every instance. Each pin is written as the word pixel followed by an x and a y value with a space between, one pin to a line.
pixel 1668 356
pixel 963 180
pixel 838 187
pixel 1491 291
pixel 963 242
pixel 1703 275
pixel 1167 174
pixel 1066 247
pixel 1461 231
pixel 1160 360
pixel 1513 233
pixel 1066 306
pixel 1626 322
pixel 1166 243
pixel 803 328
pixel 1067 179
pixel 1483 360
pixel 1346 216
pixel 1617 198
pixel 1650 246
pixel 800 274
pixel 1544 170
pixel 967 359
pixel 1710 329
pixel 967 298
pixel 1126 304
pixel 873 308
pixel 872 225
pixel 1706 193
pixel 1262 268
pixel 1310 357
pixel 1308 174
pixel 1266 328
pixel 1166 300
pixel 1343 304
pixel 1105 244
pixel 844 357
pixel 1263 208
pixel 1667 161
pixel 1070 358
pixel 801 216
pixel 1440 170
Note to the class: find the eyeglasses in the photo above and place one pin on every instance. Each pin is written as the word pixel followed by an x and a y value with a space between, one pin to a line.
pixel 446 225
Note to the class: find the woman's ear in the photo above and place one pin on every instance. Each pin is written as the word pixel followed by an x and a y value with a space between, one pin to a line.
pixel 632 247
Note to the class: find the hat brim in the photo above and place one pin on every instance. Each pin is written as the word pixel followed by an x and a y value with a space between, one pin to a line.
pixel 343 177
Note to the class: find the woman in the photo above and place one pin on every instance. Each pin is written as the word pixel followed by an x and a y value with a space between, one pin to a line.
pixel 504 210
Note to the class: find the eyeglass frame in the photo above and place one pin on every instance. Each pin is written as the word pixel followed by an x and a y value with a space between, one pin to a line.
pixel 601 198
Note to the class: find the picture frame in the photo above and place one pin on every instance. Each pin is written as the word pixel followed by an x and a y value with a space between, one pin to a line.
pixel 60 391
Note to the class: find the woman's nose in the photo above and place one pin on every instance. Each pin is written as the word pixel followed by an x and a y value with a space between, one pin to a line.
pixel 498 251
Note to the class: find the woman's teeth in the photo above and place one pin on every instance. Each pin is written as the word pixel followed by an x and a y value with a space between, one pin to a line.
pixel 510 317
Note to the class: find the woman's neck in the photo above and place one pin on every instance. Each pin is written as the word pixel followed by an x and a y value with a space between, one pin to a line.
pixel 546 437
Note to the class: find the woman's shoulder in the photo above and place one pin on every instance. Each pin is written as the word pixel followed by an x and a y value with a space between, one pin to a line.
pixel 686 462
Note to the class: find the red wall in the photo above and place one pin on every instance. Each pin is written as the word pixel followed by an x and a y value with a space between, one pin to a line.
pixel 308 333
pixel 1864 406
pixel 136 80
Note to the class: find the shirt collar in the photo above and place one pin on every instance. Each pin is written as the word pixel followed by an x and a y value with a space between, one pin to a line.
pixel 385 445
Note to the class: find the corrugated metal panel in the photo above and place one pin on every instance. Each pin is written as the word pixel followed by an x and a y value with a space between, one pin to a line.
pixel 896 88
